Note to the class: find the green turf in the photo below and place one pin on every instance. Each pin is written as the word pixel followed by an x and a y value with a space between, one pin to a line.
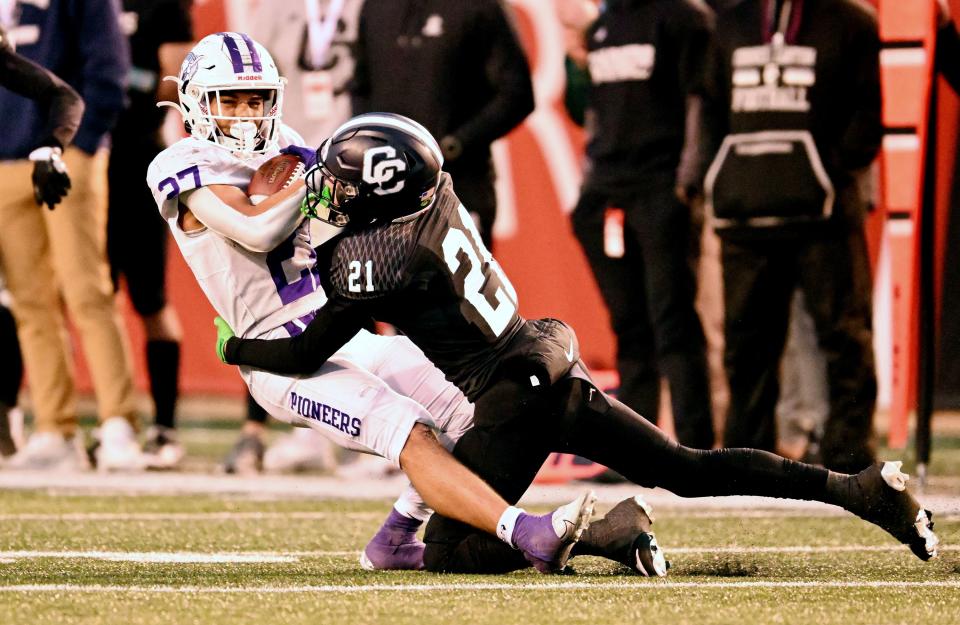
pixel 324 537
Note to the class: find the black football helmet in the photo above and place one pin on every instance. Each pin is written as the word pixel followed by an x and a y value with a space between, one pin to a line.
pixel 375 168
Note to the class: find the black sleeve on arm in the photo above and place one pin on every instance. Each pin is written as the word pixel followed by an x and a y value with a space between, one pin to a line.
pixel 715 103
pixel 335 324
pixel 695 37
pixel 508 72
pixel 63 105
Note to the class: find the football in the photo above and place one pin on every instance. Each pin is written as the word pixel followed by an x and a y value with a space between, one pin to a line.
pixel 274 175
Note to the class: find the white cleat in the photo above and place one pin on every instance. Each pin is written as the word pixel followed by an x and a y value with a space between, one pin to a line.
pixel 569 523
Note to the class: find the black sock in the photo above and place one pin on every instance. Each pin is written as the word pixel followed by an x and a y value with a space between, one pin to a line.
pixel 606 431
pixel 163 366
pixel 842 489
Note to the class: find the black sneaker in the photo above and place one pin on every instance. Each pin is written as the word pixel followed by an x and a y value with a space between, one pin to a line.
pixel 878 494
pixel 246 457
pixel 624 535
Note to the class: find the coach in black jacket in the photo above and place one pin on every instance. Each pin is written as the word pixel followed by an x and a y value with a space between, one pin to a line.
pixel 645 61
pixel 456 67
pixel 797 97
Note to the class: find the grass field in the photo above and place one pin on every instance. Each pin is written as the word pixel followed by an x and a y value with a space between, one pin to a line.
pixel 115 554
pixel 202 559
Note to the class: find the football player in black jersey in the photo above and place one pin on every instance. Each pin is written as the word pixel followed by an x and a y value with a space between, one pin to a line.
pixel 410 256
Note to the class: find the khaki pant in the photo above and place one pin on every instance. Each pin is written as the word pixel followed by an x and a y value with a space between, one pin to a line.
pixel 48 255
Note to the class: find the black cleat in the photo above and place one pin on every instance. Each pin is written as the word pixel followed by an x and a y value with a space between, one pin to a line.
pixel 879 495
pixel 624 535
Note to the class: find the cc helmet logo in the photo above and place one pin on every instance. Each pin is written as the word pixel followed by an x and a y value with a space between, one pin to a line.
pixel 382 170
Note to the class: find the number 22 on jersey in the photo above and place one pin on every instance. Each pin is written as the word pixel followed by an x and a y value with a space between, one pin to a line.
pixel 479 289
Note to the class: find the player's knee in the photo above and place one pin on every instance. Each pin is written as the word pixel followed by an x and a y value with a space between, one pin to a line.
pixel 421 442
pixel 578 396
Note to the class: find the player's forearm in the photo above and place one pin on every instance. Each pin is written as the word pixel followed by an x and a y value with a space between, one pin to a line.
pixel 298 355
pixel 275 219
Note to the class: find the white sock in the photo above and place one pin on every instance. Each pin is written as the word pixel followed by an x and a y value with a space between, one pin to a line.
pixel 412 507
pixel 506 524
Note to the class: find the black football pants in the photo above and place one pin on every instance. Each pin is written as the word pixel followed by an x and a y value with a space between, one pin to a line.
pixel 517 426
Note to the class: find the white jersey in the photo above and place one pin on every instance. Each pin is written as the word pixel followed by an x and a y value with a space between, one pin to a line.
pixel 254 292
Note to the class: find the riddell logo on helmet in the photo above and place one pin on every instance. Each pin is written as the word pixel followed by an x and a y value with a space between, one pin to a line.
pixel 249 77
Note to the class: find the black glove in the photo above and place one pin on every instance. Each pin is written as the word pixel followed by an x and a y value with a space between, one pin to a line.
pixel 50 179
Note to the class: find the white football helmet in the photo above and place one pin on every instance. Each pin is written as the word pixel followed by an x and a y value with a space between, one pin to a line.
pixel 229 62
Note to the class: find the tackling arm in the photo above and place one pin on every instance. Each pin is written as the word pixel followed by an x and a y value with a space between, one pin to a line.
pixel 336 322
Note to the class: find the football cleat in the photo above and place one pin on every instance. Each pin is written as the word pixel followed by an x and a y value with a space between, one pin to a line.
pixel 395 546
pixel 546 541
pixel 624 535
pixel 879 495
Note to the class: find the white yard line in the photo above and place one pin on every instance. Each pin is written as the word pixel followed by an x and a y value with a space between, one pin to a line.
pixel 155 557
pixel 531 586
pixel 246 557
pixel 188 516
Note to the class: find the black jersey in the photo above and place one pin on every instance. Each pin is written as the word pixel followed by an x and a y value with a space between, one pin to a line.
pixel 646 57
pixel 430 276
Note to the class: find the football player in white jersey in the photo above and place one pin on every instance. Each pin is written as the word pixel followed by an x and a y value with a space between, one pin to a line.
pixel 256 265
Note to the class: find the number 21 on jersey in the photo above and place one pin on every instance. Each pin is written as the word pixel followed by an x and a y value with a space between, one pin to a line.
pixel 477 289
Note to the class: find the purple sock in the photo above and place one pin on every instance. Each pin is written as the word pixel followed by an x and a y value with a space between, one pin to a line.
pixel 395 546
pixel 534 535
pixel 397 521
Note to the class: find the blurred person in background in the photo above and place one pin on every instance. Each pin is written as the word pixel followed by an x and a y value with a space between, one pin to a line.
pixel 642 62
pixel 159 33
pixel 457 68
pixel 795 100
pixel 49 255
pixel 62 109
